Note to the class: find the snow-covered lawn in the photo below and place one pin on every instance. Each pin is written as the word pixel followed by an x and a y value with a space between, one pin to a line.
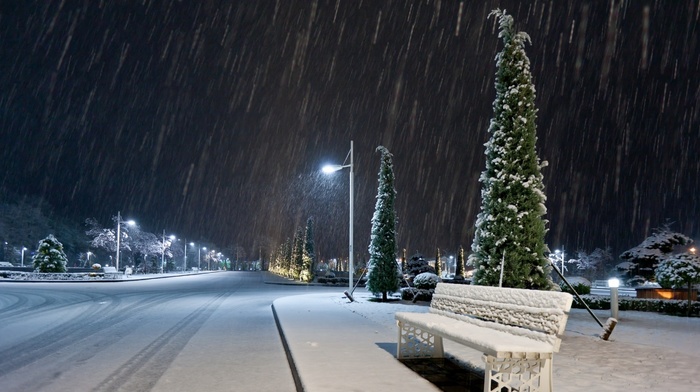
pixel 646 351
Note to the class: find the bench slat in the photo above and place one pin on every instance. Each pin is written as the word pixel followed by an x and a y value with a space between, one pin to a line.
pixel 544 311
pixel 497 343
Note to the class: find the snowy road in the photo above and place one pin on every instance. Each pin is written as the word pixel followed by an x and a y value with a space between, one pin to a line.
pixel 208 332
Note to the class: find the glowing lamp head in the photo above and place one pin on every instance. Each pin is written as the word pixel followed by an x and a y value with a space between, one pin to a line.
pixel 328 169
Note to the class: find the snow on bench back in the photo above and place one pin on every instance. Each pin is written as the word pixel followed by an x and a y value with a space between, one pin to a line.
pixel 539 311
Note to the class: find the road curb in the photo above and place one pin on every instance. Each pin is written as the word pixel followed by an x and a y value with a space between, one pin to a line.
pixel 292 366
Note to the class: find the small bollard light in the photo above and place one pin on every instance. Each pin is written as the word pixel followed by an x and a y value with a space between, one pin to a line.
pixel 613 284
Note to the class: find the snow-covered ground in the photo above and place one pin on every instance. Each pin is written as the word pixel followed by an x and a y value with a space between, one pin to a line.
pixel 646 351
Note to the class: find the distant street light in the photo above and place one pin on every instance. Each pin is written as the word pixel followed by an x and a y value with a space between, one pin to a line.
pixel 334 168
pixel 184 260
pixel 199 257
pixel 88 257
pixel 162 259
pixel 23 249
pixel 119 234
pixel 192 244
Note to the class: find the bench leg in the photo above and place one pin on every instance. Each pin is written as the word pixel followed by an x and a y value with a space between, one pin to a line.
pixel 416 343
pixel 514 374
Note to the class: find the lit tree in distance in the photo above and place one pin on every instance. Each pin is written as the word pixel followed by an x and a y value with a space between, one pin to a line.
pixel 510 225
pixel 49 256
pixel 383 271
pixel 309 250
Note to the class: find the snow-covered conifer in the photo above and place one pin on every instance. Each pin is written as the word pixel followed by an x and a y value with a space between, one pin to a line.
pixel 459 268
pixel 438 269
pixel 511 217
pixel 644 258
pixel 49 256
pixel 309 251
pixel 383 271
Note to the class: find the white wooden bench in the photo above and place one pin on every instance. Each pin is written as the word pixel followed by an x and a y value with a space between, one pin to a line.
pixel 517 331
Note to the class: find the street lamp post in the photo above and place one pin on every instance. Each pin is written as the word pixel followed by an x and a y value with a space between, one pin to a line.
pixel 184 260
pixel 192 244
pixel 199 258
pixel 162 256
pixel 119 234
pixel 23 249
pixel 88 258
pixel 162 259
pixel 334 168
pixel 560 253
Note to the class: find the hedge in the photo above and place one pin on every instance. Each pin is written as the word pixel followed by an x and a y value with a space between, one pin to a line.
pixel 665 306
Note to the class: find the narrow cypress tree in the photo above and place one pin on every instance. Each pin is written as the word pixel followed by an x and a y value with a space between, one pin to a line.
pixel 459 268
pixel 383 272
pixel 49 256
pixel 438 269
pixel 298 253
pixel 511 219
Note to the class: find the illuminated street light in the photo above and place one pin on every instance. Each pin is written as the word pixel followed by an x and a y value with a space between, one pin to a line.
pixel 162 259
pixel 119 230
pixel 23 249
pixel 334 168
pixel 613 284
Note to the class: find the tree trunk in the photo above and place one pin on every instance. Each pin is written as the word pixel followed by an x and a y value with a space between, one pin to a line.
pixel 384 299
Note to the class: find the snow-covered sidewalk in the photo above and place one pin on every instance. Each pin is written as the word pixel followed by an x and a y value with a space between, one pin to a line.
pixel 646 352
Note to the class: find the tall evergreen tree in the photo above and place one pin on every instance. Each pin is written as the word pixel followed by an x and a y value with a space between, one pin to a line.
pixel 438 262
pixel 298 253
pixel 511 222
pixel 459 268
pixel 306 273
pixel 383 272
pixel 49 256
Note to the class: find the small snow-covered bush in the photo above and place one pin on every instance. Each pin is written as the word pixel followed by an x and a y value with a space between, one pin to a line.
pixel 426 280
pixel 96 266
pixel 306 276
pixel 580 287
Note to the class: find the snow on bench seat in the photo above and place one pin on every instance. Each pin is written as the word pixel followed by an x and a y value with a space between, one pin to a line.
pixel 516 330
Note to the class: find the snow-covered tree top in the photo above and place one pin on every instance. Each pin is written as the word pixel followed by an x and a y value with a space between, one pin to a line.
pixel 657 246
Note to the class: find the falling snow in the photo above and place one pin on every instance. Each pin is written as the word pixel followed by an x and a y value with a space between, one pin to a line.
pixel 213 118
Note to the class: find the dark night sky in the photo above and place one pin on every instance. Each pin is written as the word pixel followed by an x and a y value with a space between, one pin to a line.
pixel 211 119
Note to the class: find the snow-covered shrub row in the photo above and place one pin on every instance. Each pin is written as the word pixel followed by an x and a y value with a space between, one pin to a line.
pixel 426 280
pixel 581 288
pixel 666 306
pixel 51 276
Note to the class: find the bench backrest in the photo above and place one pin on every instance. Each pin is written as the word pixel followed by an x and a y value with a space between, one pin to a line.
pixel 523 312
